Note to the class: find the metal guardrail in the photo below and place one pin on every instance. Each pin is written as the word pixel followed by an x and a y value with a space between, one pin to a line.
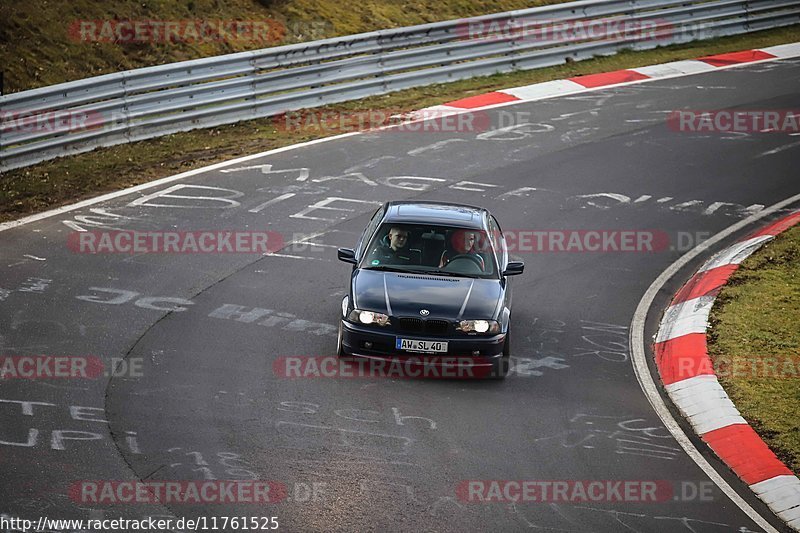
pixel 133 105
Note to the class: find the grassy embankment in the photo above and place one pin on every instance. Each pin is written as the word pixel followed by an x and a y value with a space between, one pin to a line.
pixel 37 48
pixel 755 343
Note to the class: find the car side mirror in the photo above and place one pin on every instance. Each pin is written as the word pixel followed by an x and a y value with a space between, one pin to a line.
pixel 513 268
pixel 347 255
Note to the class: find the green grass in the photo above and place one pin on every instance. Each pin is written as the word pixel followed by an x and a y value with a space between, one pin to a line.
pixel 60 181
pixel 754 341
pixel 36 48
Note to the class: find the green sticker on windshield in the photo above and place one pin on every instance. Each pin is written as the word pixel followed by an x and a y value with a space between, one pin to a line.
pixel 376 262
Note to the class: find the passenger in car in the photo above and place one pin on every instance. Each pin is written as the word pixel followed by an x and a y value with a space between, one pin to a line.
pixel 393 249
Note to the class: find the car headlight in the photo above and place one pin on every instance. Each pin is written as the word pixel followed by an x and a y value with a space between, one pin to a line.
pixel 368 317
pixel 479 326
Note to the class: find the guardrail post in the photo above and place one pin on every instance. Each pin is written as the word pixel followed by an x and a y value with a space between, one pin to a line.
pixel 382 64
pixel 252 84
pixel 515 34
pixel 125 110
pixel 747 14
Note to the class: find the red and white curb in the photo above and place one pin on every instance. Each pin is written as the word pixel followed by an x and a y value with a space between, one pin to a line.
pixel 688 376
pixel 577 84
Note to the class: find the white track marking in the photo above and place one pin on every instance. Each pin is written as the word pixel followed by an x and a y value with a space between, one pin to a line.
pixel 675 68
pixel 736 253
pixel 546 89
pixel 684 318
pixel 320 244
pixel 144 186
pixel 704 402
pixel 271 202
pixel 645 378
pixel 303 257
pixel 783 51
pixel 241 169
pixel 782 492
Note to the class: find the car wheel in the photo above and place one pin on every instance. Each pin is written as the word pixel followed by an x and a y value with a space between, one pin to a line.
pixel 339 343
pixel 500 368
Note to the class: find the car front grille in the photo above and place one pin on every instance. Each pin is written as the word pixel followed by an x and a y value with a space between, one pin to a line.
pixel 412 325
pixel 437 327
pixel 418 325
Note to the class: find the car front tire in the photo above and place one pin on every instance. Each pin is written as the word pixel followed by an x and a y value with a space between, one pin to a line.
pixel 501 366
pixel 340 342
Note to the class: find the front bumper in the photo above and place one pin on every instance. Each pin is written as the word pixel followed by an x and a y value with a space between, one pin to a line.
pixel 363 341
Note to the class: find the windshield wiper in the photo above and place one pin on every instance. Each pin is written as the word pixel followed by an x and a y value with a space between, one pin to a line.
pixel 444 273
pixel 385 268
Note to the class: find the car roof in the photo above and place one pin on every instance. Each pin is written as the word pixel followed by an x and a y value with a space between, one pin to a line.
pixel 466 216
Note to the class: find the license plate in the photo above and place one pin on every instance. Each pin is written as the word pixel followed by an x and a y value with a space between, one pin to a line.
pixel 416 345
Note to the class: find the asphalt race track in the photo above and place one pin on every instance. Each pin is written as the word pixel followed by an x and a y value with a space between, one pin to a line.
pixel 199 396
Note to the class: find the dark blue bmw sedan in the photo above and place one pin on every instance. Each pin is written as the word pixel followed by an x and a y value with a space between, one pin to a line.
pixel 430 284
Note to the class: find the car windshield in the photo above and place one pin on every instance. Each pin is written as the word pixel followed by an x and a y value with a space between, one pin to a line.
pixel 429 249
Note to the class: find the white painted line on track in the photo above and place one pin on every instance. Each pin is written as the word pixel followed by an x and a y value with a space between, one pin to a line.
pixel 545 89
pixel 320 244
pixel 703 400
pixel 169 179
pixel 783 51
pixel 783 493
pixel 736 253
pixel 271 202
pixel 684 318
pixel 303 257
pixel 675 68
pixel 645 378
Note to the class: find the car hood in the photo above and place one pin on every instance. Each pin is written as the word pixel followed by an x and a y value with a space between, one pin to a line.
pixel 398 294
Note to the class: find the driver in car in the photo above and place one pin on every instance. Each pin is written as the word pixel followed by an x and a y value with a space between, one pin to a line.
pixel 393 248
pixel 469 246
